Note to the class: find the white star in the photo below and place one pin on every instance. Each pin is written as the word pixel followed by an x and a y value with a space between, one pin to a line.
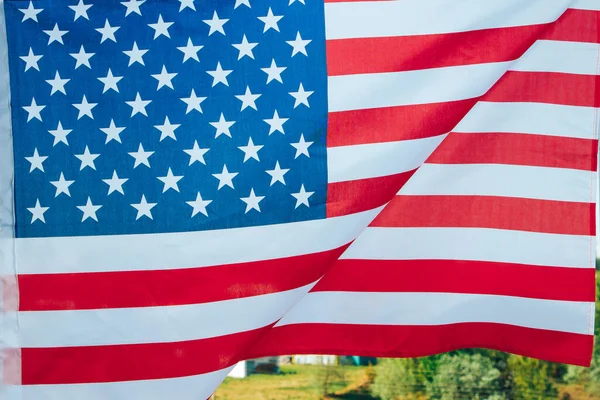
pixel 81 10
pixel 225 178
pixel 82 58
pixel 110 82
pixel 89 210
pixel 248 99
pixel 36 161
pixel 301 147
pixel 87 159
pixel 293 1
pixel 161 28
pixel 135 55
pixel 30 12
pixel 199 205
pixel 112 132
pixel 33 111
pixel 298 45
pixel 271 21
pixel 219 75
pixel 138 106
pixel 167 129
pixel 164 78
pixel 277 174
pixel 58 84
pixel 85 108
pixel 170 181
pixel 196 153
pixel 274 72
pixel 55 35
pixel 251 150
pixel 252 201
pixel 222 126
pixel 141 156
pixel 31 60
pixel 37 212
pixel 186 4
pixel 193 102
pixel 216 24
pixel 245 48
pixel 190 51
pixel 302 197
pixel 143 208
pixel 133 6
pixel 240 2
pixel 276 123
pixel 115 184
pixel 108 32
pixel 301 96
pixel 60 134
pixel 62 185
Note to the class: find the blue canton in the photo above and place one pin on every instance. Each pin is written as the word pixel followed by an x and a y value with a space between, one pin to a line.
pixel 166 116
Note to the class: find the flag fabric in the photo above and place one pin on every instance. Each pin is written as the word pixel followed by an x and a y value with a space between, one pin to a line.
pixel 187 184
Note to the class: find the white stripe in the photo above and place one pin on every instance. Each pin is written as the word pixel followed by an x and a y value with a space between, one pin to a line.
pixel 501 180
pixel 473 244
pixel 186 249
pixel 435 85
pixel 154 324
pixel 421 17
pixel 362 161
pixel 592 5
pixel 439 309
pixel 530 118
pixel 556 56
pixel 185 388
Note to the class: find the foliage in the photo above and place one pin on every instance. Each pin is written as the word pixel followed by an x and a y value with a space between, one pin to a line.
pixel 531 379
pixel 403 377
pixel 471 376
pixel 325 379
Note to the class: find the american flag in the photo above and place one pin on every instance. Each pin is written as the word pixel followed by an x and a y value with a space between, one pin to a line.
pixel 186 184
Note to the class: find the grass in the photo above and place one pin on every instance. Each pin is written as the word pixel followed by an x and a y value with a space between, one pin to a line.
pixel 298 382
pixel 301 382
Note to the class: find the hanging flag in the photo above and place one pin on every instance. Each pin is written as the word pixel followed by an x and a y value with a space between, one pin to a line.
pixel 187 184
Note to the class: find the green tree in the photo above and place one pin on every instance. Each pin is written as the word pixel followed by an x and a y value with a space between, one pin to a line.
pixel 531 379
pixel 406 378
pixel 466 376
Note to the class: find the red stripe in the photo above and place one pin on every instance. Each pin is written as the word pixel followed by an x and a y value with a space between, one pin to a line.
pixel 457 276
pixel 534 215
pixel 517 149
pixel 546 87
pixel 350 197
pixel 392 124
pixel 404 53
pixel 81 291
pixel 420 341
pixel 575 26
pixel 64 365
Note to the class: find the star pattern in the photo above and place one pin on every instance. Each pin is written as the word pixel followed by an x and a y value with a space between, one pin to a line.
pixel 167 116
pixel 30 12
pixel 108 32
pixel 58 84
pixel 31 60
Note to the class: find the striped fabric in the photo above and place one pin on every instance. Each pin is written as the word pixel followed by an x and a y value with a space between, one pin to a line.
pixel 461 165
pixel 490 242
